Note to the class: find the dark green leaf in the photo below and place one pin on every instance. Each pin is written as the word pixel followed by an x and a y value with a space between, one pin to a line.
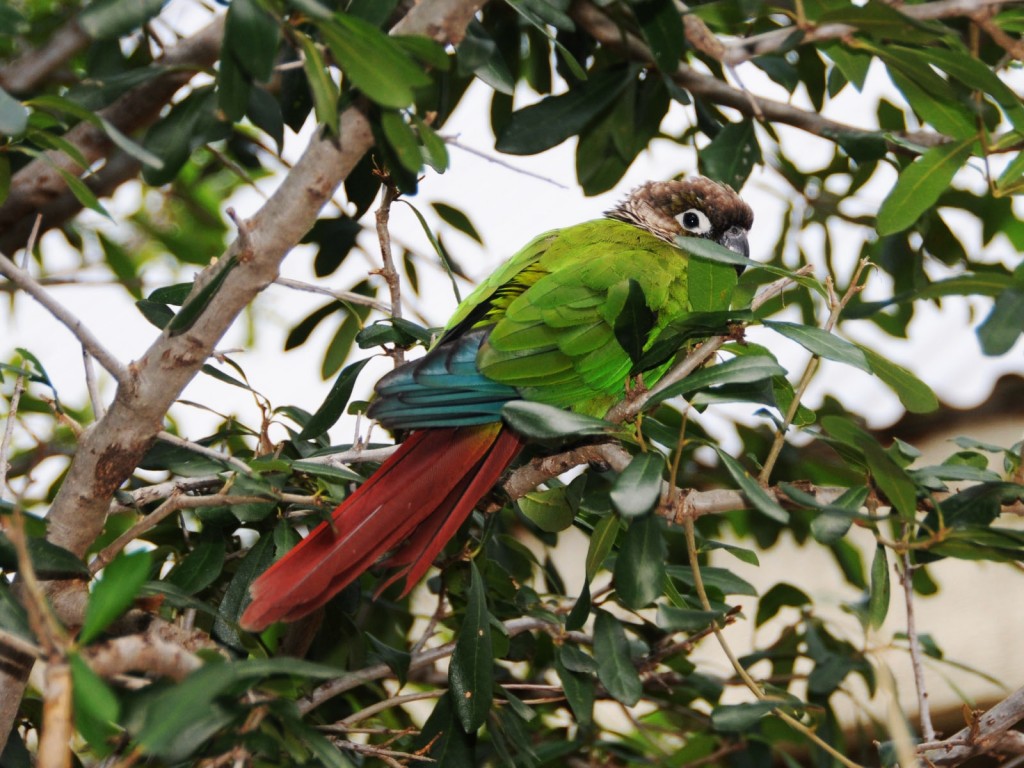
pixel 554 119
pixel 200 568
pixel 756 495
pixel 13 115
pixel 638 488
pixel 601 542
pixel 732 154
pixel 675 619
pixel 114 593
pixel 775 598
pixel 549 510
pixel 250 37
pixel 634 322
pixel 580 610
pixel 546 422
pixel 1004 324
pixel 325 92
pixel 96 707
pixel 738 370
pixel 456 218
pixel 640 566
pixel 822 343
pixel 200 300
pixel 920 185
pixel 916 396
pixel 662 27
pixel 443 740
pixel 732 718
pixel 376 64
pixel 615 668
pixel 471 671
pixel 48 560
pixel 334 404
pixel 579 692
pixel 397 661
pixel 106 19
pixel 878 603
pixel 402 139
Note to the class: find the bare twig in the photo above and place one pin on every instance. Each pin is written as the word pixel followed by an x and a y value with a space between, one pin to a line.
pixel 389 273
pixel 454 142
pixel 744 49
pixel 393 701
pixel 924 710
pixel 27 283
pixel 202 450
pixel 347 297
pixel 92 386
pixel 836 306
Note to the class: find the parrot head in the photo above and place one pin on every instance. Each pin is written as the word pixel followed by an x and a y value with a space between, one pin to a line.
pixel 692 207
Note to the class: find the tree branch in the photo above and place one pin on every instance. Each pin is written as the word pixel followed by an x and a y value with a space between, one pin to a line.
pixel 36 186
pixel 32 68
pixel 607 32
pixel 983 736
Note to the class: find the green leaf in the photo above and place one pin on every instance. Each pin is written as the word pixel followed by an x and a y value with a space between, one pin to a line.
pixel 551 121
pixel 640 565
pixel 919 186
pixel 756 495
pixel 738 370
pixel 662 27
pixel 634 322
pixel 250 37
pixel 734 718
pixel 13 115
pixel 638 488
pixel 579 692
pixel 775 598
pixel 48 560
pixel 577 617
pixel 402 139
pixel 376 64
pixel 674 619
pixel 546 422
pixel 5 178
pixel 197 303
pixel 456 218
pixel 442 740
pixel 601 542
pixel 471 671
pixel 397 661
pixel 325 92
pixel 891 478
pixel 334 404
pixel 732 154
pixel 113 594
pixel 435 153
pixel 615 668
pixel 478 54
pixel 878 602
pixel 200 568
pixel 82 193
pixel 549 510
pixel 822 343
pixel 719 254
pixel 1004 324
pixel 916 396
pixel 107 19
pixel 96 707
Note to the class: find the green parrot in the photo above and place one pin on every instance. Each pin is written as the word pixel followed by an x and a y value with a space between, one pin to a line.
pixel 543 327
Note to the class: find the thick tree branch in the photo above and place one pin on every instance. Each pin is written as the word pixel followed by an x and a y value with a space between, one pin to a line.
pixel 32 68
pixel 738 51
pixel 607 32
pixel 37 186
pixel 984 736
pixel 112 448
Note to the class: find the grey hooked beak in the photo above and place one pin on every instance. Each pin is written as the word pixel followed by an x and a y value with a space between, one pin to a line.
pixel 735 239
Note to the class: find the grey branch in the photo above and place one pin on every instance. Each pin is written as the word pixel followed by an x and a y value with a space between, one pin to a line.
pixel 607 32
pixel 987 735
pixel 32 68
pixel 738 51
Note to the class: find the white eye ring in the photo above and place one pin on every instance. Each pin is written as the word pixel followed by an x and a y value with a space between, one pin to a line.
pixel 694 220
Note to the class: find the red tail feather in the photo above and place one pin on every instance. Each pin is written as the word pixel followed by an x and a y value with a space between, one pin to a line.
pixel 416 501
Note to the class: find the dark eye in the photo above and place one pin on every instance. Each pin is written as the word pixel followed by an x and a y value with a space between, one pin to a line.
pixel 695 221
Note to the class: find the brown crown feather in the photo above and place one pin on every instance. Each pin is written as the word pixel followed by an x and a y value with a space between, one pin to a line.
pixel 654 206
